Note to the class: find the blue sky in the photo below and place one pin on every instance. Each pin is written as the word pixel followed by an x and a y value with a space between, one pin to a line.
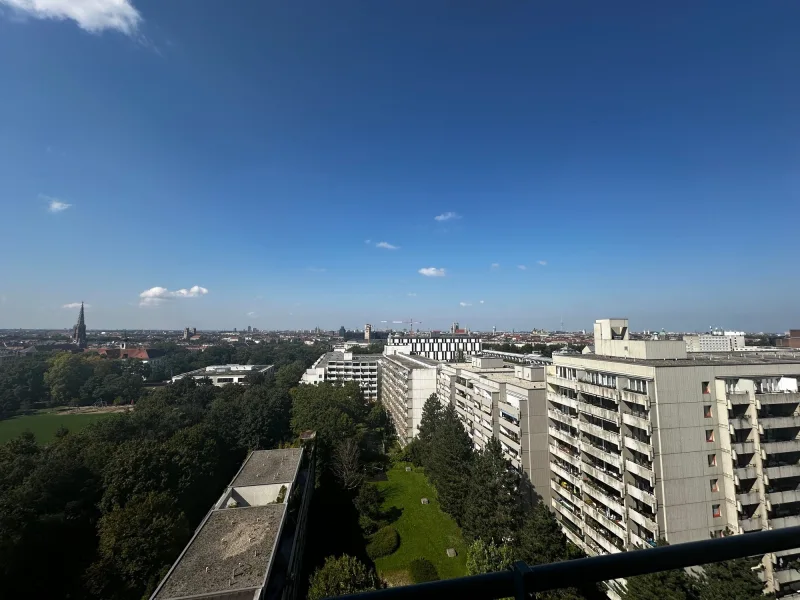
pixel 636 160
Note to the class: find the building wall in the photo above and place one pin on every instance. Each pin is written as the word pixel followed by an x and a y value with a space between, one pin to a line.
pixel 442 348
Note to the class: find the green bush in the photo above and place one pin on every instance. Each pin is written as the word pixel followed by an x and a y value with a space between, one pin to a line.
pixel 383 543
pixel 369 525
pixel 422 570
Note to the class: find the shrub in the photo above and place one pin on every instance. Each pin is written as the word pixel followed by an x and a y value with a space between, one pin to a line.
pixel 343 575
pixel 383 543
pixel 422 570
pixel 368 525
pixel 368 501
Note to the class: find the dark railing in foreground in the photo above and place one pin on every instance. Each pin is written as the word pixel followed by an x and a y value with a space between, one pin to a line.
pixel 524 580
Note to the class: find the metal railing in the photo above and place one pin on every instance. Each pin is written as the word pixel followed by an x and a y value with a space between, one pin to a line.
pixel 525 580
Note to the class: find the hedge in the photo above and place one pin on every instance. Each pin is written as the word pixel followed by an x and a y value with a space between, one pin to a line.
pixel 383 543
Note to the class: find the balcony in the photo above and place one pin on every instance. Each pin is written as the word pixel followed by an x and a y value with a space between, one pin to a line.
pixel 643 520
pixel 633 421
pixel 749 498
pixel 561 417
pixel 744 447
pixel 572 537
pixel 642 447
pixel 779 398
pixel 738 397
pixel 563 400
pixel 574 479
pixel 751 524
pixel 600 413
pixel 606 477
pixel 778 447
pixel 783 497
pixel 562 435
pixel 783 471
pixel 566 511
pixel 562 382
pixel 781 522
pixel 787 577
pixel 632 397
pixel 509 440
pixel 643 496
pixel 750 472
pixel 614 527
pixel 603 539
pixel 642 471
pixel 598 390
pixel 565 491
pixel 599 494
pixel 741 422
pixel 597 431
pixel 639 543
pixel 604 455
pixel 564 453
pixel 778 422
pixel 507 408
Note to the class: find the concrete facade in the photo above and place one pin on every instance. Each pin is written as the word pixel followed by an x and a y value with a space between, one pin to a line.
pixel 224 374
pixel 718 341
pixel 346 366
pixel 494 399
pixel 683 448
pixel 406 383
pixel 441 347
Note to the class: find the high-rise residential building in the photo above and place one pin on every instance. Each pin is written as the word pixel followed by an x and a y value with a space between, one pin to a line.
pixel 495 399
pixel 649 442
pixel 367 331
pixel 406 383
pixel 716 341
pixel 436 346
pixel 79 331
pixel 251 542
pixel 346 366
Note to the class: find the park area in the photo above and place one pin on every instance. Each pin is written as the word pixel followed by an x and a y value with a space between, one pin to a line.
pixel 425 531
pixel 45 424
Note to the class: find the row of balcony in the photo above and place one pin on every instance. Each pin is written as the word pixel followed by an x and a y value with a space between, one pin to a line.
pixel 643 496
pixel 562 435
pixel 601 453
pixel 642 519
pixel 599 412
pixel 572 477
pixel 611 480
pixel 598 431
pixel 614 526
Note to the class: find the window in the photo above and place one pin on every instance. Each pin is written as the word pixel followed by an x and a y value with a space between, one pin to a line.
pixel 707 411
pixel 706 387
pixel 715 511
pixel 715 485
pixel 709 435
pixel 712 460
pixel 637 385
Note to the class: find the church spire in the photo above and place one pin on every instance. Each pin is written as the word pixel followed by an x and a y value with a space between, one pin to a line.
pixel 79 331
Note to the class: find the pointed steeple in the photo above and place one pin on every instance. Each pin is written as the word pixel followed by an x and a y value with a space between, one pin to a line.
pixel 81 317
pixel 79 331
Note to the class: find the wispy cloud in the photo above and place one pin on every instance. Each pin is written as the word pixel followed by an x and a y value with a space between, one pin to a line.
pixel 542 262
pixel 317 269
pixel 432 272
pixel 90 15
pixel 447 216
pixel 251 314
pixel 74 305
pixel 54 205
pixel 367 241
pixel 386 246
pixel 465 304
pixel 522 267
pixel 481 301
pixel 412 294
pixel 157 295
pixel 495 265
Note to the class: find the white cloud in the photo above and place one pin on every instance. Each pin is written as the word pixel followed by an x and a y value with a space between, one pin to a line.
pixel 74 305
pixel 90 15
pixel 448 216
pixel 465 304
pixel 386 246
pixel 522 267
pixel 367 241
pixel 412 294
pixel 495 265
pixel 54 205
pixel 316 269
pixel 252 314
pixel 432 272
pixel 542 262
pixel 157 295
pixel 481 301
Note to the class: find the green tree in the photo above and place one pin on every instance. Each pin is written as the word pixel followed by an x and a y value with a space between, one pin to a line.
pixel 663 585
pixel 339 576
pixel 730 580
pixel 449 464
pixel 492 503
pixel 540 539
pixel 429 424
pixel 488 557
pixel 66 375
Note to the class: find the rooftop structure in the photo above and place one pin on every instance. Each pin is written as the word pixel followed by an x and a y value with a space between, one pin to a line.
pixel 247 546
pixel 224 374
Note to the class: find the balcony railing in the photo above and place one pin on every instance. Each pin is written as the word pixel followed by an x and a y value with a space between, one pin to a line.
pixel 778 447
pixel 599 412
pixel 563 452
pixel 783 522
pixel 749 498
pixel 560 416
pixel 562 435
pixel 637 398
pixel 778 422
pixel 642 519
pixel 616 527
pixel 782 471
pixel 784 497
pixel 636 421
pixel 642 447
pixel 563 400
pixel 604 455
pixel 606 541
pixel 598 431
pixel 525 580
pixel 643 496
pixel 600 391
pixel 643 471
pixel 750 524
pixel 573 479
pixel 738 397
pixel 779 398
pixel 611 480
pixel 602 496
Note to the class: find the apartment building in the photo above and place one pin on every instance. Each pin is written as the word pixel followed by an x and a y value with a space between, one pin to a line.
pixel 716 341
pixel 406 383
pixel 647 441
pixel 220 375
pixel 494 399
pixel 440 346
pixel 346 366
pixel 251 543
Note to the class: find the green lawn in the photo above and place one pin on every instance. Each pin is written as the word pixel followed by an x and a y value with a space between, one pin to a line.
pixel 45 424
pixel 425 531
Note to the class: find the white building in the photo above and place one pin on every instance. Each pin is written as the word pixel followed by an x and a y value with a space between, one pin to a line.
pixel 439 346
pixel 224 374
pixel 406 383
pixel 716 341
pixel 647 441
pixel 495 399
pixel 346 366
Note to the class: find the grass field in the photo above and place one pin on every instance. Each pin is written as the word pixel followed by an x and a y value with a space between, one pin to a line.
pixel 425 531
pixel 45 424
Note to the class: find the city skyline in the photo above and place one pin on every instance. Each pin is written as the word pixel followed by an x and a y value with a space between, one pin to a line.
pixel 285 168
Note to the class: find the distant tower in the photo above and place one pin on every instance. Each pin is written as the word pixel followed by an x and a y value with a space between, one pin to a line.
pixel 124 343
pixel 194 330
pixel 79 331
pixel 367 331
pixel 494 329
pixel 185 333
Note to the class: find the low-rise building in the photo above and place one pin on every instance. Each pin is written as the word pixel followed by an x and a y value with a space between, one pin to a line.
pixel 250 545
pixel 495 399
pixel 406 383
pixel 716 341
pixel 436 346
pixel 346 366
pixel 224 374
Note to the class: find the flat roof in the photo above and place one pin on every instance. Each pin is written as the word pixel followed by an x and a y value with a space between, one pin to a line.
pixel 265 467
pixel 413 362
pixel 217 370
pixel 232 551
pixel 513 380
pixel 339 356
pixel 699 359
